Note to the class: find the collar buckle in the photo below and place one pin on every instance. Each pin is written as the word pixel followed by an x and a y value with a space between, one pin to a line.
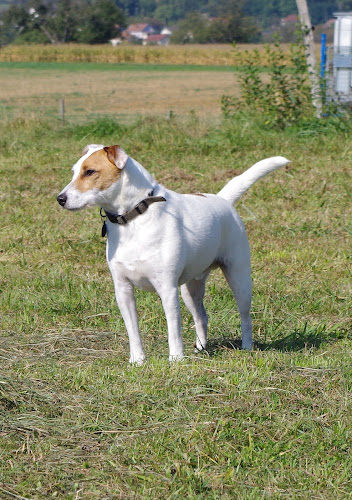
pixel 141 207
pixel 120 220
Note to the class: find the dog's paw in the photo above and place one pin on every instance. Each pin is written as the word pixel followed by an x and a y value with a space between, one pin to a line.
pixel 198 347
pixel 137 361
pixel 247 346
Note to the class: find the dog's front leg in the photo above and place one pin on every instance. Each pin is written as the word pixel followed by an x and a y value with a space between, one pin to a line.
pixel 171 304
pixel 124 292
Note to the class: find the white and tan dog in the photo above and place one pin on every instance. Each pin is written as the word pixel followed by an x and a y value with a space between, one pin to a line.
pixel 176 242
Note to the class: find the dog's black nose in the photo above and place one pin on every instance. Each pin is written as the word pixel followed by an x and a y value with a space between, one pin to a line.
pixel 62 198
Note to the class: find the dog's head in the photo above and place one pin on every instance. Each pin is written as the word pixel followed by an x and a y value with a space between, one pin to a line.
pixel 95 175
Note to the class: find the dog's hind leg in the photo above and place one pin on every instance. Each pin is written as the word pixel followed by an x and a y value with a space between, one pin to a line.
pixel 192 295
pixel 240 282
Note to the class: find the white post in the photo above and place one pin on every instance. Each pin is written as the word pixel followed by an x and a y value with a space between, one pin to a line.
pixel 310 53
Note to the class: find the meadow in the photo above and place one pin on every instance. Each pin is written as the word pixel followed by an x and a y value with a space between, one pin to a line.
pixel 76 421
pixel 125 92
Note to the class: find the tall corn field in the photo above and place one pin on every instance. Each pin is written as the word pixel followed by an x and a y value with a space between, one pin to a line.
pixel 217 55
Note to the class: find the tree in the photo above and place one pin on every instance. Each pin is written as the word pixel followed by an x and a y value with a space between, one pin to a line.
pixel 320 10
pixel 230 24
pixel 15 21
pixel 240 28
pixel 147 7
pixel 193 29
pixel 43 21
pixel 129 7
pixel 100 21
pixel 165 13
pixel 66 20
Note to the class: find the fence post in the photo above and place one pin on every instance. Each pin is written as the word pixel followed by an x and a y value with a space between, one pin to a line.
pixel 310 53
pixel 62 110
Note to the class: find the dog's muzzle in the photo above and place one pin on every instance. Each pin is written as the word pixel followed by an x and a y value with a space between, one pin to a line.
pixel 62 198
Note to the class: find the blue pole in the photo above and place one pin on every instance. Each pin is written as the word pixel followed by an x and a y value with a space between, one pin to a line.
pixel 322 69
pixel 323 55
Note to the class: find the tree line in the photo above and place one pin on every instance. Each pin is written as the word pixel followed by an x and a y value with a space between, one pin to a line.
pixel 61 21
pixel 197 21
pixel 263 11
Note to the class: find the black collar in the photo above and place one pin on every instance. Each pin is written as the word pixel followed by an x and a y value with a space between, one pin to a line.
pixel 139 209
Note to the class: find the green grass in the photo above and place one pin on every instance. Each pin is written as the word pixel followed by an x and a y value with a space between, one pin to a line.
pixel 92 66
pixel 78 422
pixel 74 67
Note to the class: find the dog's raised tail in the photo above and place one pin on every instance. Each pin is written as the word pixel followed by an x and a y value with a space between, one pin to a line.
pixel 239 185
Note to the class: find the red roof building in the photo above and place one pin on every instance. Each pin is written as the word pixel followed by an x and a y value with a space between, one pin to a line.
pixel 156 40
pixel 139 31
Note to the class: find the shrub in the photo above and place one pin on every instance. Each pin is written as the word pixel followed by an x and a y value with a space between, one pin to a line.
pixel 286 97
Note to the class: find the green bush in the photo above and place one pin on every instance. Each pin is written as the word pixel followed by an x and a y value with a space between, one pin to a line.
pixel 282 100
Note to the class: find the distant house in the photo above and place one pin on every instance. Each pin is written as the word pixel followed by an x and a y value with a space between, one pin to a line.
pixel 166 31
pixel 115 41
pixel 291 19
pixel 138 31
pixel 157 40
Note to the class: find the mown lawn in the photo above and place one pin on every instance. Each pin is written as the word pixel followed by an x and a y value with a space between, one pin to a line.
pixel 78 422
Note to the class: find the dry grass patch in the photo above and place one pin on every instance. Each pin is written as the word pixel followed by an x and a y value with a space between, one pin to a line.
pixel 118 93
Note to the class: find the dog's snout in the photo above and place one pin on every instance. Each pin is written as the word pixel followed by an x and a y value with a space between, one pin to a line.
pixel 62 198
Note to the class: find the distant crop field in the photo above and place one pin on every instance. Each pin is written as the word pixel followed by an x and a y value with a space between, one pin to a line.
pixel 91 89
pixel 212 54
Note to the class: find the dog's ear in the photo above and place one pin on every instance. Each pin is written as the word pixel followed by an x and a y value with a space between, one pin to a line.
pixel 116 155
pixel 85 150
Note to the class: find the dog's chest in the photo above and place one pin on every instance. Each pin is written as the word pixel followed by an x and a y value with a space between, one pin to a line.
pixel 136 270
pixel 133 259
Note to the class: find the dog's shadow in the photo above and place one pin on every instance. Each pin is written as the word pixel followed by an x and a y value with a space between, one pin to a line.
pixel 298 340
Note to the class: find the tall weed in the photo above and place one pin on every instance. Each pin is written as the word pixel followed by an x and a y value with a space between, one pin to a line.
pixel 282 100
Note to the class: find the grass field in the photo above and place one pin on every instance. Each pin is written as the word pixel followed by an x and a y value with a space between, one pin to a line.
pixel 76 422
pixel 92 90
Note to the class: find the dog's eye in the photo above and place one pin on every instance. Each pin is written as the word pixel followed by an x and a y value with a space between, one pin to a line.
pixel 89 172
